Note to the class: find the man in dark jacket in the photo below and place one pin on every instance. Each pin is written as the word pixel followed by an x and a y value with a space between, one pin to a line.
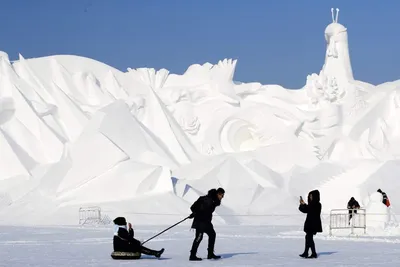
pixel 124 240
pixel 313 224
pixel 352 205
pixel 202 211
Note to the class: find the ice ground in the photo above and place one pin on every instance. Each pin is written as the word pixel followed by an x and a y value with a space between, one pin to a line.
pixel 240 245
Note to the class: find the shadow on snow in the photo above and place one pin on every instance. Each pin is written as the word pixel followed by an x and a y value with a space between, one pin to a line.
pixel 230 255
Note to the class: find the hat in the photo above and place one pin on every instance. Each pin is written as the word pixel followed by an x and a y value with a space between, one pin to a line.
pixel 120 221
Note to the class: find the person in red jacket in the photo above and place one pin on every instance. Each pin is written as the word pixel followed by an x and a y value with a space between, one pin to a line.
pixel 385 199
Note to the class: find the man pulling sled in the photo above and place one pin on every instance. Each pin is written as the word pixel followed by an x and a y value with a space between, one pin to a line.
pixel 127 247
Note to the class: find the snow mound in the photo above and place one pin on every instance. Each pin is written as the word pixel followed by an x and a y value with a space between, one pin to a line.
pixel 378 213
pixel 76 132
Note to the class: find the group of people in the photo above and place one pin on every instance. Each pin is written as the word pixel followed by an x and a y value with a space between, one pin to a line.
pixel 202 210
pixel 353 204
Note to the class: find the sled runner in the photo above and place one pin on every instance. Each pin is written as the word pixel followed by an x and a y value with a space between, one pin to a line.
pixel 119 255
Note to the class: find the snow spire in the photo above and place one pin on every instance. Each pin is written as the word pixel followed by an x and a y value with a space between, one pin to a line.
pixel 337 14
pixel 335 20
pixel 337 57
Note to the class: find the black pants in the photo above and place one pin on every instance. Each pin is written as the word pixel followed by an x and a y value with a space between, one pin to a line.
pixel 135 246
pixel 199 236
pixel 147 251
pixel 310 244
pixel 351 214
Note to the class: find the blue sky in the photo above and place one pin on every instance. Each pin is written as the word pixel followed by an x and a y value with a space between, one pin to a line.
pixel 275 42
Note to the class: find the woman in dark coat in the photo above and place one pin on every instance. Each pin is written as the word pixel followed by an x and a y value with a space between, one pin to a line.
pixel 313 224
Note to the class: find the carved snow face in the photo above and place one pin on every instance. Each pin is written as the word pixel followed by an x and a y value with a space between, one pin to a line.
pixel 335 32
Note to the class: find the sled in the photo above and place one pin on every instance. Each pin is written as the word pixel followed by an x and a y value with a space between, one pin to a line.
pixel 119 255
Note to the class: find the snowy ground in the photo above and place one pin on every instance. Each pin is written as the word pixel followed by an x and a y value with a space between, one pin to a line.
pixel 239 245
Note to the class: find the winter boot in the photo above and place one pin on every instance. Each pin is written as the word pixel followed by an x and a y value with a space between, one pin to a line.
pixel 212 256
pixel 193 257
pixel 305 253
pixel 158 253
pixel 313 251
pixel 151 252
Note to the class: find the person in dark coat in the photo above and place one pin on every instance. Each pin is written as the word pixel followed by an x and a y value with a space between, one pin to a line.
pixel 313 224
pixel 202 211
pixel 352 205
pixel 124 240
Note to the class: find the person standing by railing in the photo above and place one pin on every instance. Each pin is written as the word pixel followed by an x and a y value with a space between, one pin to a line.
pixel 313 224
pixel 352 205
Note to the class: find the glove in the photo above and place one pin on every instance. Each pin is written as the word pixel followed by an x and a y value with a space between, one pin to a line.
pixel 191 216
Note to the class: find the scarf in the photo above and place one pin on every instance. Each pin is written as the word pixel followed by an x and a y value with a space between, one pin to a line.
pixel 116 228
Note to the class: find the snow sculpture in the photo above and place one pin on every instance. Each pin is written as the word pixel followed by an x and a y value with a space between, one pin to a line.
pixel 191 125
pixel 91 89
pixel 337 59
pixel 222 75
pixel 377 213
pixel 7 109
pixel 195 100
pixel 323 88
pixel 207 149
pixel 239 135
pixel 332 82
pixel 7 105
pixel 151 77
pixel 114 87
pixel 73 129
pixel 4 56
pixel 136 105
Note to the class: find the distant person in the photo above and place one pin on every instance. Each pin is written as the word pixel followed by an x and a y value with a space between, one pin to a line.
pixel 352 205
pixel 124 240
pixel 202 211
pixel 385 199
pixel 313 224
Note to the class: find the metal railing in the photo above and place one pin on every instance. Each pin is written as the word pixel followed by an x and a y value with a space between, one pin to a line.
pixel 89 214
pixel 347 219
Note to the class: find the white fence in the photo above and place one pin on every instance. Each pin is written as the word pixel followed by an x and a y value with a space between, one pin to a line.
pixel 91 215
pixel 347 219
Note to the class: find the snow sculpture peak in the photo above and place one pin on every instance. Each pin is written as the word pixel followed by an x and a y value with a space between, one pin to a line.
pixel 4 55
pixel 332 82
pixel 337 58
pixel 335 20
